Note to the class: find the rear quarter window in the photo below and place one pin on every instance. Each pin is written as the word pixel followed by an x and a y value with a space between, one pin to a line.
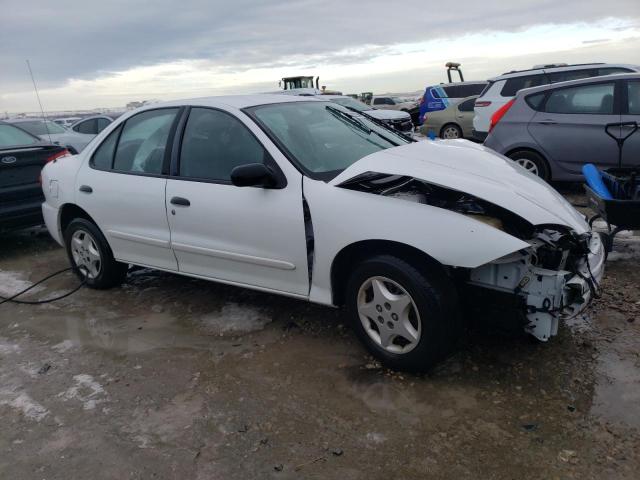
pixel 514 85
pixel 535 101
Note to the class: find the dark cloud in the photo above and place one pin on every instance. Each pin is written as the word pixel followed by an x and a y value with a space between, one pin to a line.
pixel 85 39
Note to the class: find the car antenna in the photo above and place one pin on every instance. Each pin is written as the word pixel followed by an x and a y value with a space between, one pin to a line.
pixel 44 119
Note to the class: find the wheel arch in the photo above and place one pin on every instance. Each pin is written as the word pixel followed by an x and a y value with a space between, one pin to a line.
pixel 68 212
pixel 352 254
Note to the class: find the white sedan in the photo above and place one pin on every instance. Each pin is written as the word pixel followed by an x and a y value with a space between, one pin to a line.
pixel 305 198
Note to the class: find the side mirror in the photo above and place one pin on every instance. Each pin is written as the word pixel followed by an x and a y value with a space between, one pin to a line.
pixel 254 175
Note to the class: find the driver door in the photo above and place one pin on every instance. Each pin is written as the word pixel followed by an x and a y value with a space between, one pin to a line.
pixel 241 235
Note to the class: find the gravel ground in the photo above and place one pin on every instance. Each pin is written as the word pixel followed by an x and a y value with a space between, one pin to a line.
pixel 169 377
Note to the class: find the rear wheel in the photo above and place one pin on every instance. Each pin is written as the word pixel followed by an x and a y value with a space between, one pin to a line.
pixel 406 318
pixel 91 256
pixel 532 162
pixel 450 131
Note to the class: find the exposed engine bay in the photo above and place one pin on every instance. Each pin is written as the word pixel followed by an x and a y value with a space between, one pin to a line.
pixel 552 279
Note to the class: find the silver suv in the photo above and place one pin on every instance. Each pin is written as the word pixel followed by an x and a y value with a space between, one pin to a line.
pixel 554 130
pixel 503 88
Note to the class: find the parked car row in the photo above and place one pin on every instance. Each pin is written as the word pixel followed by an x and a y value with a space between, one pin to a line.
pixel 74 136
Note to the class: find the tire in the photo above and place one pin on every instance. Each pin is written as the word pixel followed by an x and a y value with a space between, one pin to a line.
pixel 533 162
pixel 431 311
pixel 91 257
pixel 450 131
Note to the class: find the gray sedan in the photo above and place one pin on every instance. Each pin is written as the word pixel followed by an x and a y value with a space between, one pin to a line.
pixel 51 131
pixel 554 130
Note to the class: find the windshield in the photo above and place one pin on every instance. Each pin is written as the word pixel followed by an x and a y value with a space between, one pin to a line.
pixel 11 136
pixel 352 103
pixel 323 138
pixel 37 127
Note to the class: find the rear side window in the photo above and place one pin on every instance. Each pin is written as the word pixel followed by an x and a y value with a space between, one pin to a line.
pixel 613 70
pixel 555 77
pixel 463 91
pixel 143 141
pixel 535 101
pixel 633 96
pixel 11 136
pixel 588 99
pixel 102 124
pixel 379 101
pixel 88 126
pixel 514 85
pixel 467 105
pixel 214 143
pixel 102 158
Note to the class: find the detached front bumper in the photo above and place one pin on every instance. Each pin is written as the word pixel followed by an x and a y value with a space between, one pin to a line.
pixel 546 295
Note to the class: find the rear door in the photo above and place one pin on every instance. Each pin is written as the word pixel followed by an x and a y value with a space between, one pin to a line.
pixel 631 113
pixel 122 187
pixel 571 128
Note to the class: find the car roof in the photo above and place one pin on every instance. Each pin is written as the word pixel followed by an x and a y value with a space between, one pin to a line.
pixel 581 81
pixel 237 101
pixel 24 120
pixel 452 84
pixel 561 68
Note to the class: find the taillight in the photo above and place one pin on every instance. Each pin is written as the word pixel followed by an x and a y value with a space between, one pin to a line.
pixel 497 116
pixel 482 103
pixel 56 156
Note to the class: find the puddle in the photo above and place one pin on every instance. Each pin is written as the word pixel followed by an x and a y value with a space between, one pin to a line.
pixel 234 318
pixel 617 390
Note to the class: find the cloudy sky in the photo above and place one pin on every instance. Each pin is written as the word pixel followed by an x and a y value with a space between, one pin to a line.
pixel 87 54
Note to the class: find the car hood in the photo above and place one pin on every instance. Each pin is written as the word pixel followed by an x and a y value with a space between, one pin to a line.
pixel 388 114
pixel 474 169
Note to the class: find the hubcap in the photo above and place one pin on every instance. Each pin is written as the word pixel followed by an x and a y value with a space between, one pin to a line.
pixel 85 254
pixel 389 315
pixel 528 165
pixel 451 132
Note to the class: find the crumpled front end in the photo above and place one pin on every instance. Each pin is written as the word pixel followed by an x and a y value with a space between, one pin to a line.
pixel 555 278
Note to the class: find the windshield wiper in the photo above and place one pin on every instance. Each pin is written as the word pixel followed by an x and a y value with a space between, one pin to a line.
pixel 352 120
pixel 380 123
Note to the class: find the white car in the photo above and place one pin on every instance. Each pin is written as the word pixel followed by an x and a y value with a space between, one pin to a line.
pixel 392 103
pixel 66 122
pixel 503 88
pixel 54 133
pixel 305 198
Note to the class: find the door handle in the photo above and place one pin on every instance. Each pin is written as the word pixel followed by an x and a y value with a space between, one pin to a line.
pixel 85 189
pixel 180 201
pixel 547 122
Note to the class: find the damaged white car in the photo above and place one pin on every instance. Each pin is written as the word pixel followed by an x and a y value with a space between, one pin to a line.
pixel 304 198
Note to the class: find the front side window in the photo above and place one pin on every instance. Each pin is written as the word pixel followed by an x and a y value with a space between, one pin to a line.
pixel 143 141
pixel 323 138
pixel 588 99
pixel 379 101
pixel 11 136
pixel 633 96
pixel 514 85
pixel 214 143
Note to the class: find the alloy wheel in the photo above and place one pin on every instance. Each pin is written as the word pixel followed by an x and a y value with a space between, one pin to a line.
pixel 389 315
pixel 529 165
pixel 85 254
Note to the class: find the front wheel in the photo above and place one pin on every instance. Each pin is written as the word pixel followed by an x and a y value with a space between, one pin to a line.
pixel 406 318
pixel 91 256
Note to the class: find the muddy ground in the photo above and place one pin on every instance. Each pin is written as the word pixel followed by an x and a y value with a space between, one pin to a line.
pixel 169 377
